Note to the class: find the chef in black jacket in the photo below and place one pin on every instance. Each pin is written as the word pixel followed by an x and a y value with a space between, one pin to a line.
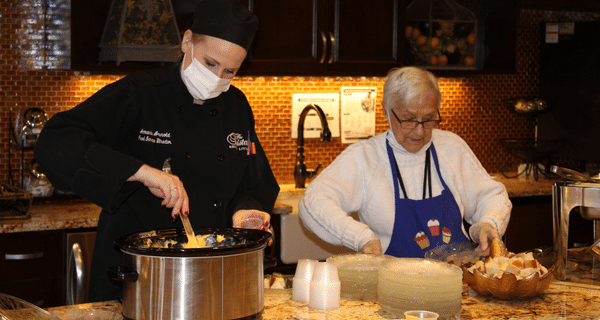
pixel 111 148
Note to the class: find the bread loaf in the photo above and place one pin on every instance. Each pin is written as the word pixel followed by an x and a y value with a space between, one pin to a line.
pixel 522 265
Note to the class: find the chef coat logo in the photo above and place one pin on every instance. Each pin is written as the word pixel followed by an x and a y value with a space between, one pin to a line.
pixel 237 141
pixel 155 137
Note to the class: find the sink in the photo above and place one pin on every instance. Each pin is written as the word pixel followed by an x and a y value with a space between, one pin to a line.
pixel 290 195
pixel 296 241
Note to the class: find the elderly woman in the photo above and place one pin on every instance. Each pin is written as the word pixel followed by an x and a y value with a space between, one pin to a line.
pixel 411 186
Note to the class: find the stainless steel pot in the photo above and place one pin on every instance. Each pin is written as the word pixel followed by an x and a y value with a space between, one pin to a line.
pixel 574 175
pixel 224 281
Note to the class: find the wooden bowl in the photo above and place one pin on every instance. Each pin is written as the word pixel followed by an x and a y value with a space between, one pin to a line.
pixel 508 287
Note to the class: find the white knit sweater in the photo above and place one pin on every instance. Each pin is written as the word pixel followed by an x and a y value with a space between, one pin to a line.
pixel 360 180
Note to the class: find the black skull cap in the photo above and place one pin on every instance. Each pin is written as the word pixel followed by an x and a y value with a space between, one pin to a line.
pixel 225 19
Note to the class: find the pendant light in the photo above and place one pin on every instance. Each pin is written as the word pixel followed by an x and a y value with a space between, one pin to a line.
pixel 140 30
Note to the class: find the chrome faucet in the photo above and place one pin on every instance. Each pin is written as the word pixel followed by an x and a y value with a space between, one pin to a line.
pixel 300 171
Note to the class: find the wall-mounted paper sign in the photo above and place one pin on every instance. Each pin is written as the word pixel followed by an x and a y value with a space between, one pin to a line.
pixel 329 102
pixel 358 113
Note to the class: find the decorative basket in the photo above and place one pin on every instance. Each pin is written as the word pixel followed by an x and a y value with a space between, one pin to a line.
pixel 14 202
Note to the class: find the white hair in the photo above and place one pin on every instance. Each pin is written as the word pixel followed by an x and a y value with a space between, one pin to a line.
pixel 407 83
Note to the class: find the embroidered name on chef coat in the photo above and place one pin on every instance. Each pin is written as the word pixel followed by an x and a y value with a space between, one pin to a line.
pixel 155 137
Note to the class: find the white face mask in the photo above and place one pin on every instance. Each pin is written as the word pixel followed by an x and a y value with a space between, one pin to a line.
pixel 201 82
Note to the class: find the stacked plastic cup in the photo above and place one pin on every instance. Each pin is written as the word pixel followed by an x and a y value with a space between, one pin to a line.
pixel 420 314
pixel 302 278
pixel 325 287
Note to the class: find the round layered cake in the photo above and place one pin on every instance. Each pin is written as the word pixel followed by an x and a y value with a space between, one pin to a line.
pixel 358 275
pixel 419 284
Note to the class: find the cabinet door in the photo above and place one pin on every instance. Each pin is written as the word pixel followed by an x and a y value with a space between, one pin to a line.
pixel 498 39
pixel 365 36
pixel 32 266
pixel 290 38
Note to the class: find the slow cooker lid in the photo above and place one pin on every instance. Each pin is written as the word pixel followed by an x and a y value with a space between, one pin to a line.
pixel 236 241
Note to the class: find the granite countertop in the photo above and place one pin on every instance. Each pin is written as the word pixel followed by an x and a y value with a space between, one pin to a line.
pixel 562 300
pixel 79 213
pixel 68 214
pixel 516 187
pixel 55 215
pixel 577 298
pixel 523 187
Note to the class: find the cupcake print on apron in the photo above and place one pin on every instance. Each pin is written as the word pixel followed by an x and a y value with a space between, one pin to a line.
pixel 418 223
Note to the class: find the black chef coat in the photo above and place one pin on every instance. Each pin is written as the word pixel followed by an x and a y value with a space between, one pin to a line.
pixel 146 118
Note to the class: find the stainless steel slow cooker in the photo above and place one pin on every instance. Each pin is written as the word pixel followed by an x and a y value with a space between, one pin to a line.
pixel 222 281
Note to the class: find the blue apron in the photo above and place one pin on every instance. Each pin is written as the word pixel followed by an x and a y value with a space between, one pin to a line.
pixel 421 225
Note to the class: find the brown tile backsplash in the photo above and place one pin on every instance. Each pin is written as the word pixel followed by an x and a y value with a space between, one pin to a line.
pixel 471 106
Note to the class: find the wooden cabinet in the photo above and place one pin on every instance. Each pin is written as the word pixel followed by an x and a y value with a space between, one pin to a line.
pixel 498 23
pixel 32 266
pixel 304 37
pixel 571 5
pixel 326 37
pixel 318 37
pixel 364 38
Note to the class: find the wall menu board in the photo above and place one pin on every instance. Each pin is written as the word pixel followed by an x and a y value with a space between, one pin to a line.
pixel 45 34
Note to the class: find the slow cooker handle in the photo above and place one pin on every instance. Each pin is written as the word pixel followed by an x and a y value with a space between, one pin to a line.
pixel 123 273
pixel 269 262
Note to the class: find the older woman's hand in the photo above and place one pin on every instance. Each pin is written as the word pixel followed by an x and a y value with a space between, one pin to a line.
pixel 372 247
pixel 484 235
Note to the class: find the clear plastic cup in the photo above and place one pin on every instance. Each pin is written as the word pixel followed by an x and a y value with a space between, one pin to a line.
pixel 252 222
pixel 420 314
pixel 302 278
pixel 325 287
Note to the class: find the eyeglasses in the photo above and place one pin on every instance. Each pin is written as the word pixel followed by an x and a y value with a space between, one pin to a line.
pixel 411 124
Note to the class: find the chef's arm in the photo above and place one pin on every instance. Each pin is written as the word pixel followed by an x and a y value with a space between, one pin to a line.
pixel 73 151
pixel 165 186
pixel 258 189
pixel 90 173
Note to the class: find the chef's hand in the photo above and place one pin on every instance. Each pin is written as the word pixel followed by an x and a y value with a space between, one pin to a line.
pixel 484 235
pixel 253 219
pixel 165 186
pixel 372 247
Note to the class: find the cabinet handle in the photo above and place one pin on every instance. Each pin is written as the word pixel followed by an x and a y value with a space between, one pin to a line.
pixel 324 38
pixel 75 276
pixel 23 256
pixel 332 40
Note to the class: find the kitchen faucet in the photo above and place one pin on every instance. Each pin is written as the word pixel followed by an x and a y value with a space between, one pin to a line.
pixel 300 171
